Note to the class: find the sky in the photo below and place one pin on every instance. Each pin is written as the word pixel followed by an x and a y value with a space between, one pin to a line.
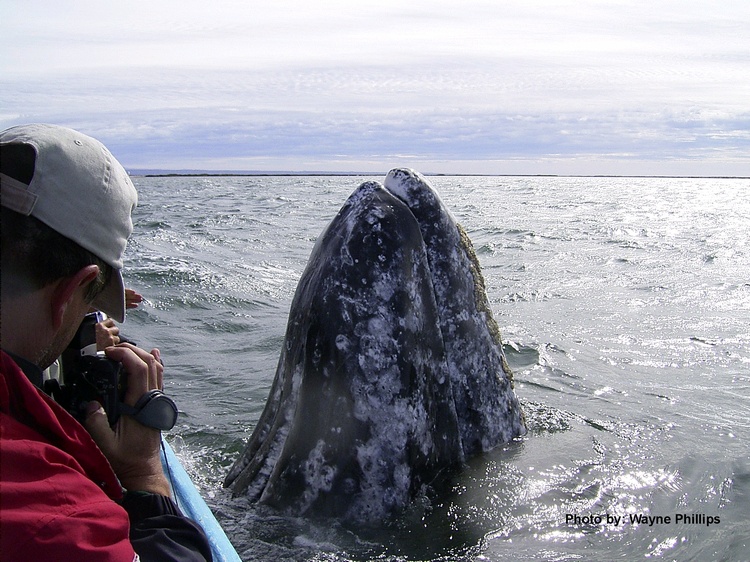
pixel 569 87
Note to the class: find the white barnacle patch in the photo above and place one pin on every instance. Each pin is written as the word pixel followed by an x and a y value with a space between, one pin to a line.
pixel 376 216
pixel 384 287
pixel 382 486
pixel 319 475
pixel 462 316
pixel 297 376
pixel 402 477
pixel 342 343
pixel 386 472
pixel 258 487
pixel 377 348
pixel 346 256
pixel 421 427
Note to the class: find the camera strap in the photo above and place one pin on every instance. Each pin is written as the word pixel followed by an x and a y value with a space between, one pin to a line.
pixel 153 409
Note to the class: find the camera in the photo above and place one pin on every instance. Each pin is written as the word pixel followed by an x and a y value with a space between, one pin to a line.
pixel 88 374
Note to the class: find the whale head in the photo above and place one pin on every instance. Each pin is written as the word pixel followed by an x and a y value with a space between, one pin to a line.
pixel 392 368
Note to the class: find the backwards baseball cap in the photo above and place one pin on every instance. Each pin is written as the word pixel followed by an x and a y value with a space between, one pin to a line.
pixel 82 192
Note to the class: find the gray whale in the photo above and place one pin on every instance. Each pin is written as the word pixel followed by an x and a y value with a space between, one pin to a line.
pixel 392 368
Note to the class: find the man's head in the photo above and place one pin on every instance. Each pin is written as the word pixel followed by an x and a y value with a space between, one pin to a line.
pixel 66 205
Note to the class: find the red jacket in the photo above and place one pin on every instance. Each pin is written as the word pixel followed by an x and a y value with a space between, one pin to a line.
pixel 57 490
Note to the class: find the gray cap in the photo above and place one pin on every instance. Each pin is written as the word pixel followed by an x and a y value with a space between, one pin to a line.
pixel 82 192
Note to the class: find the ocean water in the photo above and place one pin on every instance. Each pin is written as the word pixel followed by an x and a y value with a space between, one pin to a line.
pixel 624 305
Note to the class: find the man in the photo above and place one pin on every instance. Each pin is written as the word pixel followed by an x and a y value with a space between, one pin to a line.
pixel 66 206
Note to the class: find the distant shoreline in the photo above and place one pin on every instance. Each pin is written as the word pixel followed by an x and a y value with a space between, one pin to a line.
pixel 349 174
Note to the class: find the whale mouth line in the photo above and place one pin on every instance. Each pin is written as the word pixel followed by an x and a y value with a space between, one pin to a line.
pixel 392 368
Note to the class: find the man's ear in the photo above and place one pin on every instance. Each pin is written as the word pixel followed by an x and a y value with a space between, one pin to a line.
pixel 66 289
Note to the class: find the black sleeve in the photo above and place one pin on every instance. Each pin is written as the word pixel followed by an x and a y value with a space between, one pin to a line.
pixel 159 531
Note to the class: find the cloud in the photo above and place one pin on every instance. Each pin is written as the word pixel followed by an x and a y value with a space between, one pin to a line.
pixel 184 84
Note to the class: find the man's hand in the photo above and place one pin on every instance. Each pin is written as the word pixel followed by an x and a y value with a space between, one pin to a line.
pixel 132 449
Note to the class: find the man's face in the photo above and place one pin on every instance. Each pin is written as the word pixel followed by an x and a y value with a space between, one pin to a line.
pixel 72 318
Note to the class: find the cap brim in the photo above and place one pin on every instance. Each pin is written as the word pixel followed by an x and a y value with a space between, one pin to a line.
pixel 111 300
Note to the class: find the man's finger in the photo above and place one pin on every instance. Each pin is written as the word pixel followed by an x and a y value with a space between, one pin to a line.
pixel 143 369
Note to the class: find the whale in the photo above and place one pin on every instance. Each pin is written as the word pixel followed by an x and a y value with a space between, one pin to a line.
pixel 392 372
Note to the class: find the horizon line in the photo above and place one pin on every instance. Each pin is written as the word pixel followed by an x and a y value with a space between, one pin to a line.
pixel 155 173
